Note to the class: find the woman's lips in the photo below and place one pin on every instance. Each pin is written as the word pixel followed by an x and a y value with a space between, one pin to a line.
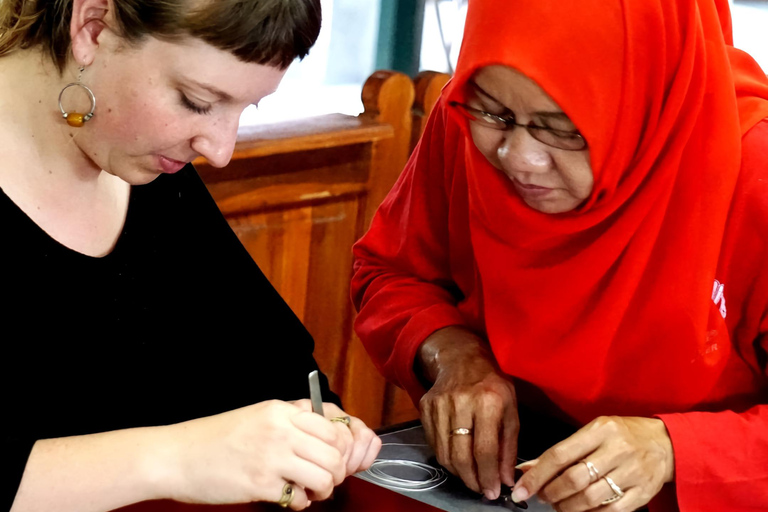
pixel 169 165
pixel 531 191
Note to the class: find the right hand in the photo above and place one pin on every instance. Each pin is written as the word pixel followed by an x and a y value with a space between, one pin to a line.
pixel 249 454
pixel 469 391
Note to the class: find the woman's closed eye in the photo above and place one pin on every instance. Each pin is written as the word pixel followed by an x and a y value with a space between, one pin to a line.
pixel 193 106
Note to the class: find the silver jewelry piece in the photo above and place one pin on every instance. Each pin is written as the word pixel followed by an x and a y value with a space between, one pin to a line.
pixel 91 96
pixel 594 474
pixel 617 492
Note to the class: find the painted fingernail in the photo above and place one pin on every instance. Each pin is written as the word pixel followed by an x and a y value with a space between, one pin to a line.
pixel 520 494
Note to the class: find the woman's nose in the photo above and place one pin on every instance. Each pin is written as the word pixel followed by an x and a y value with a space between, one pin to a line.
pixel 216 141
pixel 519 152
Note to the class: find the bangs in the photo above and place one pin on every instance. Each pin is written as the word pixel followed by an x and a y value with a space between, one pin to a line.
pixel 270 32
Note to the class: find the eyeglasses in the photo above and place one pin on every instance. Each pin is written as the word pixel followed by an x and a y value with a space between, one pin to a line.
pixel 560 139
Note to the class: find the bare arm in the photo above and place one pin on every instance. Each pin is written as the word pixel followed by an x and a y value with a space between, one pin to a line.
pixel 92 473
pixel 239 456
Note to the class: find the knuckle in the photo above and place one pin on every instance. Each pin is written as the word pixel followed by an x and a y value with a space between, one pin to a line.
pixel 375 443
pixel 461 460
pixel 593 496
pixel 486 453
pixel 559 455
pixel 611 425
pixel 326 486
pixel 571 479
pixel 365 435
pixel 491 401
pixel 623 447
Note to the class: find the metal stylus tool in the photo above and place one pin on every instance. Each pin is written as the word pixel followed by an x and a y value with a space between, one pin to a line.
pixel 314 393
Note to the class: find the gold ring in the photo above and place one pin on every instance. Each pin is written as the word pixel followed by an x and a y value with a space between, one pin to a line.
pixel 342 419
pixel 461 432
pixel 617 492
pixel 287 497
pixel 594 474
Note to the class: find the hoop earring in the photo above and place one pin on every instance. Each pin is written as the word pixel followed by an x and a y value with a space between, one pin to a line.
pixel 76 119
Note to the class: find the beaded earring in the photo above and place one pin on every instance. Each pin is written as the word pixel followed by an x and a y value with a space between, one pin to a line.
pixel 77 119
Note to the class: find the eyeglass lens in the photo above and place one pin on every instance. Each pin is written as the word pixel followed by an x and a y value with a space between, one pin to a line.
pixel 551 137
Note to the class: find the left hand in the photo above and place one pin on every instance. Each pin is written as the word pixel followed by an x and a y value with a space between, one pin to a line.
pixel 636 453
pixel 362 444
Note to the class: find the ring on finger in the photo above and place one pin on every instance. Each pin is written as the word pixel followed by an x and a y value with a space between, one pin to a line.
pixel 594 474
pixel 617 492
pixel 461 431
pixel 342 419
pixel 287 496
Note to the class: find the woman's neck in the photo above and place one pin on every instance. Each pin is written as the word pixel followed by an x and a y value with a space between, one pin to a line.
pixel 31 124
pixel 44 170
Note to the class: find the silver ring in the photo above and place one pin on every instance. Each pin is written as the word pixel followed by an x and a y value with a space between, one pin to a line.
pixel 461 432
pixel 91 96
pixel 594 474
pixel 617 492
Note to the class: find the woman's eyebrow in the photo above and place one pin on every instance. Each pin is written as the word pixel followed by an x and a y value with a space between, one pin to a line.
pixel 556 115
pixel 483 92
pixel 548 114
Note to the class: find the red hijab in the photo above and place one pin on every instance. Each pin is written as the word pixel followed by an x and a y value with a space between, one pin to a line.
pixel 613 299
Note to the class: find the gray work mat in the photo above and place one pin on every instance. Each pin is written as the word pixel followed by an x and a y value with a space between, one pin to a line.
pixel 452 496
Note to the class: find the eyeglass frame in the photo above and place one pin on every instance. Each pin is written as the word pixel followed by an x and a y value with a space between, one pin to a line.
pixel 510 123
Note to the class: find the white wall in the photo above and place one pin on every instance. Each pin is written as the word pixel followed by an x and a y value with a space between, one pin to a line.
pixel 330 78
pixel 750 26
pixel 750 29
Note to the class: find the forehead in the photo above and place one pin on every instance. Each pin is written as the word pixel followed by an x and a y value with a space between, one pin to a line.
pixel 189 59
pixel 512 88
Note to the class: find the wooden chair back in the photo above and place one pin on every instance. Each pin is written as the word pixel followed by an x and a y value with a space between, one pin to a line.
pixel 299 194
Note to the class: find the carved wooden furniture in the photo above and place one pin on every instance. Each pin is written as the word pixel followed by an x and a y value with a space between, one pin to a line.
pixel 300 193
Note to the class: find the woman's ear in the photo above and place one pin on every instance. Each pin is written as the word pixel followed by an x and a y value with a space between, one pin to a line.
pixel 89 19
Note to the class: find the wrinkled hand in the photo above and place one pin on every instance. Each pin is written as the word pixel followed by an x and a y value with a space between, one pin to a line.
pixel 469 391
pixel 635 453
pixel 361 444
pixel 249 454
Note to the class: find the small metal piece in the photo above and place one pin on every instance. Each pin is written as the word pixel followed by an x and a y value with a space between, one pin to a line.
pixel 617 492
pixel 342 419
pixel 287 496
pixel 461 431
pixel 594 474
pixel 87 116
pixel 315 395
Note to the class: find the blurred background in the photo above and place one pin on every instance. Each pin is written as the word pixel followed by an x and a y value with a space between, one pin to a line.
pixel 361 36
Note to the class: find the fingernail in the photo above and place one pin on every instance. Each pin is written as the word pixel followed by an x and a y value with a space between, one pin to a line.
pixel 520 494
pixel 491 495
pixel 525 464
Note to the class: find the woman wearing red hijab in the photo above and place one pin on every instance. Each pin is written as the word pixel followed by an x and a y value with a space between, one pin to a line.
pixel 583 228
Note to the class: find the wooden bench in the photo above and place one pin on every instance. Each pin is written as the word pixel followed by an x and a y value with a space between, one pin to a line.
pixel 299 194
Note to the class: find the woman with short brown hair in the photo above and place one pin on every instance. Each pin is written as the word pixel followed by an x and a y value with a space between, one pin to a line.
pixel 143 346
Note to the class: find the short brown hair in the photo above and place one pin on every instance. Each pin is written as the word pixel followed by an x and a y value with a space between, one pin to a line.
pixel 271 32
